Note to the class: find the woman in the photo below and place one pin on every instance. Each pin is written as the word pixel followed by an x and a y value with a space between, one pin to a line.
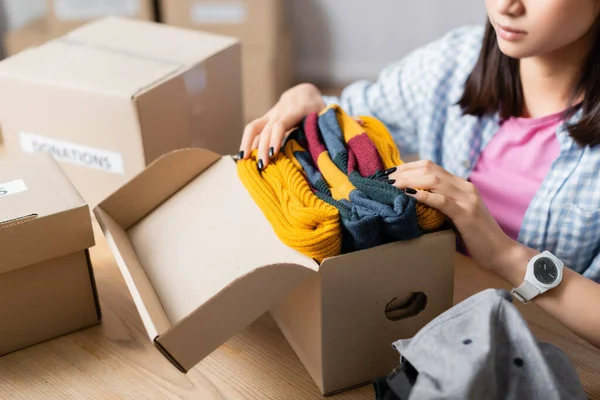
pixel 506 122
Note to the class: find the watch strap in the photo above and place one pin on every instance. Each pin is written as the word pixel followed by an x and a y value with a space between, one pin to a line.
pixel 525 292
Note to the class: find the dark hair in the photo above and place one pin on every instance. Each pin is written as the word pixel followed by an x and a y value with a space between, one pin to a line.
pixel 494 86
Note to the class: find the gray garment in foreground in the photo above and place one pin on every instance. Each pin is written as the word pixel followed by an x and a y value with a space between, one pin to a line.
pixel 482 348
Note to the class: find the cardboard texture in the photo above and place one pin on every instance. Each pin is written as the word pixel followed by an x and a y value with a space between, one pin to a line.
pixel 47 286
pixel 66 15
pixel 265 77
pixel 200 260
pixel 267 43
pixel 110 97
pixel 257 23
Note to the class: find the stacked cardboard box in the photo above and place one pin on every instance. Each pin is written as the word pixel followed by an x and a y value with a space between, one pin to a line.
pixel 47 286
pixel 110 97
pixel 62 16
pixel 267 45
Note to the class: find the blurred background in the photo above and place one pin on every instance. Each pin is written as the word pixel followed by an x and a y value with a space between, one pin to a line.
pixel 327 42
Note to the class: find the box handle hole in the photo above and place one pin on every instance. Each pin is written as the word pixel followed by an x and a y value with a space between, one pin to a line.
pixel 402 308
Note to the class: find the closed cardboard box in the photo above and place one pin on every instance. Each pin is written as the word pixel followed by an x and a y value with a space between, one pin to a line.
pixel 65 15
pixel 47 284
pixel 265 77
pixel 267 44
pixel 202 263
pixel 257 23
pixel 110 97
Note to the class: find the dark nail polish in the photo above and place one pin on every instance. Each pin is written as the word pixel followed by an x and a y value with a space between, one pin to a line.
pixel 410 191
pixel 390 171
pixel 271 152
pixel 241 155
pixel 390 181
pixel 260 165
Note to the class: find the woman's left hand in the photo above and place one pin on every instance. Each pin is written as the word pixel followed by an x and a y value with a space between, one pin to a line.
pixel 458 199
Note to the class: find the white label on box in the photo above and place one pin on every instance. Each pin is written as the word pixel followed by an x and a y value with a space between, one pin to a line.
pixel 12 187
pixel 88 9
pixel 72 153
pixel 232 12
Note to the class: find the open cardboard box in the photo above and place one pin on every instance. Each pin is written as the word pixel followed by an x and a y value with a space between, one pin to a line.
pixel 202 263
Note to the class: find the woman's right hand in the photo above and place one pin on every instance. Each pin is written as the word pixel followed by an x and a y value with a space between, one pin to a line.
pixel 268 132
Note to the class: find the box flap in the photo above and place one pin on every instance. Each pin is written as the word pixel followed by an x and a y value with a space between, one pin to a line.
pixel 115 55
pixel 159 181
pixel 192 234
pixel 151 40
pixel 76 65
pixel 42 216
pixel 228 312
pixel 147 303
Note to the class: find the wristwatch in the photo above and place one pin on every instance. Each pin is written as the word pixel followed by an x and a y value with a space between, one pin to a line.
pixel 544 272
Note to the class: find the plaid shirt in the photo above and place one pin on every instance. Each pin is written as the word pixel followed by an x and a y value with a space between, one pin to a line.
pixel 416 99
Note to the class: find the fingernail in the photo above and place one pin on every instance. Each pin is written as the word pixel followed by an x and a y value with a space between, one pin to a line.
pixel 271 152
pixel 390 171
pixel 410 191
pixel 241 155
pixel 390 181
pixel 260 165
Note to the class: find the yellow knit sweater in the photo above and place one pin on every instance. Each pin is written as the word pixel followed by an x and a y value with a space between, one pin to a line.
pixel 299 218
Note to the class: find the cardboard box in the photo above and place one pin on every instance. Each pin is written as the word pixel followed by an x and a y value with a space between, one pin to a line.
pixel 66 15
pixel 257 23
pixel 47 284
pixel 110 97
pixel 267 47
pixel 265 77
pixel 201 261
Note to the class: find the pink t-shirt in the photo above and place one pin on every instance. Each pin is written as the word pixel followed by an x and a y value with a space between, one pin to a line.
pixel 513 165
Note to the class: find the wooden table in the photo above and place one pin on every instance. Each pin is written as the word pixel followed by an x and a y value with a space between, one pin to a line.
pixel 116 360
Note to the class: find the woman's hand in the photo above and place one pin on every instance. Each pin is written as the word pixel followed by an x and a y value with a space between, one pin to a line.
pixel 268 132
pixel 573 303
pixel 459 200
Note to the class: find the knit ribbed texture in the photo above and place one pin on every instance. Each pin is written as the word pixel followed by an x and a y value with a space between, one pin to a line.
pixel 337 180
pixel 320 196
pixel 299 218
pixel 380 213
pixel 429 218
pixel 334 141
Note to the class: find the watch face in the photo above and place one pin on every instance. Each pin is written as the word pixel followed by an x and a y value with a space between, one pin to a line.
pixel 545 270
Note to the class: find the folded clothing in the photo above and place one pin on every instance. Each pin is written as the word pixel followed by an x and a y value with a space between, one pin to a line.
pixel 321 193
pixel 371 150
pixel 378 213
pixel 299 218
